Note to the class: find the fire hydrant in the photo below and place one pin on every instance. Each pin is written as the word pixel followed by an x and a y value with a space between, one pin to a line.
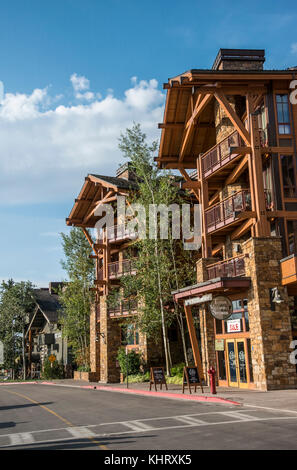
pixel 211 372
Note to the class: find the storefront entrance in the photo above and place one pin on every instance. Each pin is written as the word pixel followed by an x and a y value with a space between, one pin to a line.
pixel 237 374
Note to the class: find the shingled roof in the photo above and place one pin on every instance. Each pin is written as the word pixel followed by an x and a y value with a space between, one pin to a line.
pixel 48 304
pixel 120 183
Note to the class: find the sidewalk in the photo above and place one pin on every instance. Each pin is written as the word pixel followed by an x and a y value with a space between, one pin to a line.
pixel 282 399
pixel 278 399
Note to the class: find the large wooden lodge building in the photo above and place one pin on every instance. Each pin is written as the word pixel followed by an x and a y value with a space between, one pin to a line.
pixel 231 132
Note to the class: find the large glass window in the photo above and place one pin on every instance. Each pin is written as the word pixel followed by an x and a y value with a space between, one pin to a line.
pixel 288 175
pixel 129 335
pixel 292 232
pixel 283 114
pixel 240 312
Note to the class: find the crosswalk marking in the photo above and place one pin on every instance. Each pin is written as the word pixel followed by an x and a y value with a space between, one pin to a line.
pixel 80 432
pixel 137 426
pixel 21 438
pixel 190 420
pixel 240 416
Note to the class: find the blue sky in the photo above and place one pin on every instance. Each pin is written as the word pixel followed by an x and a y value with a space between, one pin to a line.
pixel 75 74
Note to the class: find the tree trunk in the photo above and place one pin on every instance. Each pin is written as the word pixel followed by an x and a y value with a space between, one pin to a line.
pixel 24 354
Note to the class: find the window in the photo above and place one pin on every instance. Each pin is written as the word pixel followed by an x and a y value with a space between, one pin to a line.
pixel 283 114
pixel 292 231
pixel 288 175
pixel 129 335
pixel 240 312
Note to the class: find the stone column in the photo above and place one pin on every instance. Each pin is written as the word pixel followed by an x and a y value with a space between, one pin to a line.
pixel 270 326
pixel 110 342
pixel 94 346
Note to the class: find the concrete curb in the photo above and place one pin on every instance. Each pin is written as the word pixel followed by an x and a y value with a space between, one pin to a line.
pixel 133 391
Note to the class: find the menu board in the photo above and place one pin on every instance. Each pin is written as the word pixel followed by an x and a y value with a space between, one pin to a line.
pixel 157 377
pixel 191 378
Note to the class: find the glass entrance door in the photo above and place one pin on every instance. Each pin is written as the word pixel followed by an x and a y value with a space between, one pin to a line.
pixel 237 363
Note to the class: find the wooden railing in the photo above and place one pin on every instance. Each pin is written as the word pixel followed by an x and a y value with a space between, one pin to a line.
pixel 117 233
pixel 118 269
pixel 124 307
pixel 231 267
pixel 227 210
pixel 220 154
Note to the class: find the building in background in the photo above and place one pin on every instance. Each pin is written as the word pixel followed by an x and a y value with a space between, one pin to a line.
pixel 44 333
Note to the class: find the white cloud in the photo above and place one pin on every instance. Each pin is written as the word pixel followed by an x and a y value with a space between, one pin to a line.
pixel 79 82
pixel 294 48
pixel 46 153
pixel 1 91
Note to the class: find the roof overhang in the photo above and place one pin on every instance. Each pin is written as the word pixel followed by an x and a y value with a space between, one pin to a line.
pixel 228 285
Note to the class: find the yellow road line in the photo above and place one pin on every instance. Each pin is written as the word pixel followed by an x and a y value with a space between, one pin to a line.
pixel 101 446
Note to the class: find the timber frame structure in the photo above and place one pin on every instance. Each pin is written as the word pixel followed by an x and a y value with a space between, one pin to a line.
pixel 113 259
pixel 231 132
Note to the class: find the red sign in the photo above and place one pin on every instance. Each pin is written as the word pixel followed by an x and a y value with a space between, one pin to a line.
pixel 233 326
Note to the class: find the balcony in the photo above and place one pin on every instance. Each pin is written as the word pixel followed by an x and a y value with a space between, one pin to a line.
pixel 125 307
pixel 232 267
pixel 117 233
pixel 229 210
pixel 221 154
pixel 288 268
pixel 118 269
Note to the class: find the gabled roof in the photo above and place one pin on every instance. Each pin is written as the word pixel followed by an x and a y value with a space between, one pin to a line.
pixel 47 308
pixel 120 183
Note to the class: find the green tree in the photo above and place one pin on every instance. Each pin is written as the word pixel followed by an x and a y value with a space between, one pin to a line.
pixel 76 297
pixel 162 265
pixel 17 301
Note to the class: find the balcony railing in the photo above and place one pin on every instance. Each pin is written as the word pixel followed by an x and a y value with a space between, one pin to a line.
pixel 117 233
pixel 228 210
pixel 118 269
pixel 125 307
pixel 220 154
pixel 232 267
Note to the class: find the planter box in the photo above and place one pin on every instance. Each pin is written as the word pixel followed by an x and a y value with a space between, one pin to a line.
pixel 87 376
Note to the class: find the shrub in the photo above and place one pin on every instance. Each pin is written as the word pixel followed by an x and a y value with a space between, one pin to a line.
pixel 55 371
pixel 84 369
pixel 133 361
pixel 177 370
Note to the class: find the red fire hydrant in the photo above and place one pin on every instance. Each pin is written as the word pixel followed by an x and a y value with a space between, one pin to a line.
pixel 211 372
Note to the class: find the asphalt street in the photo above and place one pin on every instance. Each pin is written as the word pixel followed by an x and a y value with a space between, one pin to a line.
pixel 50 417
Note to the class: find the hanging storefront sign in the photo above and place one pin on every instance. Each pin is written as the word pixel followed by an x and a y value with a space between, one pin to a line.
pixel 233 326
pixel 221 307
pixel 219 345
pixel 198 300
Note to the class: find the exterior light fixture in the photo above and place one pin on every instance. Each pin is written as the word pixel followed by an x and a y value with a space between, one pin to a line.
pixel 275 297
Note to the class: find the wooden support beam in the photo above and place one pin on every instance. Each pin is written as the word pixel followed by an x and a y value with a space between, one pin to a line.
pixel 242 229
pixel 89 238
pixel 283 150
pixel 222 100
pixel 214 198
pixel 193 339
pixel 239 150
pixel 189 129
pixel 191 185
pixel 188 179
pixel 238 170
pixel 96 204
pixel 262 226
pixel 217 248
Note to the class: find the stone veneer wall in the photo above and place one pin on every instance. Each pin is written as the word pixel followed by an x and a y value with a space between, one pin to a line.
pixel 271 332
pixel 110 341
pixel 94 344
